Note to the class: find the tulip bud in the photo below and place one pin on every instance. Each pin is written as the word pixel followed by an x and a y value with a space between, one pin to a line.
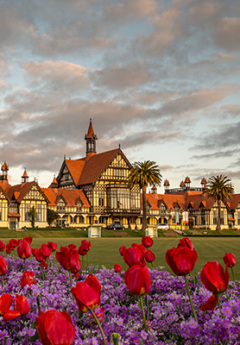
pixel 3 266
pixel 55 327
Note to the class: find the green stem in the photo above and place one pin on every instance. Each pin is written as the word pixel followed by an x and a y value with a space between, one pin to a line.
pixel 43 275
pixel 99 326
pixel 5 341
pixel 38 304
pixel 233 274
pixel 218 301
pixel 70 276
pixel 25 264
pixel 190 299
pixel 2 283
pixel 143 313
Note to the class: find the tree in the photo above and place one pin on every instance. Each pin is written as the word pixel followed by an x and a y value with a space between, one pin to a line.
pixel 33 216
pixel 51 216
pixel 142 174
pixel 220 188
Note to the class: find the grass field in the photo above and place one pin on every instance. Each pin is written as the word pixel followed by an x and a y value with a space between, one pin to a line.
pixel 104 251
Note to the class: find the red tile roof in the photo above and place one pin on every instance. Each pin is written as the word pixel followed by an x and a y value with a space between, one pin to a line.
pixel 70 196
pixel 75 167
pixel 90 134
pixel 95 166
pixel 184 199
pixel 5 167
pixel 25 174
pixel 13 215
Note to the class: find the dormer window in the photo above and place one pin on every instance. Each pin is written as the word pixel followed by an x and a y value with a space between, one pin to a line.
pixel 61 205
pixel 162 208
pixel 79 206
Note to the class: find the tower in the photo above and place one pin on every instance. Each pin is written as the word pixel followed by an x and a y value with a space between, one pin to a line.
pixel 25 177
pixel 90 138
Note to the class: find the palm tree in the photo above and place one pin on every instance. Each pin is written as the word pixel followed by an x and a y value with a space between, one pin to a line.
pixel 142 174
pixel 220 188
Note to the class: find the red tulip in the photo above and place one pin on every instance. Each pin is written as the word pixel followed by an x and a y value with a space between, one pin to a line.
pixel 215 279
pixel 8 248
pixel 52 246
pixel 5 303
pixel 55 328
pixel 44 265
pixel 87 294
pixel 34 251
pixel 21 304
pixel 72 246
pixel 122 250
pixel 3 266
pixel 181 260
pixel 134 255
pixel 24 249
pixel 81 251
pixel 229 259
pixel 2 246
pixel 147 241
pixel 86 245
pixel 149 256
pixel 69 259
pixel 13 243
pixel 185 242
pixel 10 315
pixel 117 268
pixel 28 239
pixel 27 279
pixel 45 250
pixel 138 280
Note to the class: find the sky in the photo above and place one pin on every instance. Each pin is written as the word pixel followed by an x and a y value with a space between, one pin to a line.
pixel 159 77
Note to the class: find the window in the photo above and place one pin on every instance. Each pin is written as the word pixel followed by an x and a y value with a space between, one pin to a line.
pixel 222 217
pixel 79 206
pixel 61 206
pixel 27 212
pixel 203 221
pixel 238 217
pixel 39 213
pixel 101 201
pixel 214 217
pixel 162 208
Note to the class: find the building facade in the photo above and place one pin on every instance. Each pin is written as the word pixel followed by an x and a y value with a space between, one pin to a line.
pixel 94 190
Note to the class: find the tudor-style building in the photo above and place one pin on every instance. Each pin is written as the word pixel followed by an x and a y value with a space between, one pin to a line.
pixel 94 190
pixel 17 201
pixel 103 178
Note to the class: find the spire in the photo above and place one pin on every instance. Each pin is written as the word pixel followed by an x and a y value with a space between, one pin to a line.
pixel 25 176
pixel 90 138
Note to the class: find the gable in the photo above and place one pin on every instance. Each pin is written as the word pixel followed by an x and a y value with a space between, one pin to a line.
pixel 118 169
pixel 95 166
pixel 34 194
pixel 69 172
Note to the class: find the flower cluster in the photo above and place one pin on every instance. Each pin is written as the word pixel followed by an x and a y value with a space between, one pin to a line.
pixel 51 312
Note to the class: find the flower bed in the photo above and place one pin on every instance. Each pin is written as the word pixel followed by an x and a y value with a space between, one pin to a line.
pixel 168 309
pixel 170 317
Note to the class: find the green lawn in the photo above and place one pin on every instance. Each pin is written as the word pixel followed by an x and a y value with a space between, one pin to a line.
pixel 105 252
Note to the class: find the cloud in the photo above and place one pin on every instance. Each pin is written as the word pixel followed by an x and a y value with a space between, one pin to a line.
pixel 61 75
pixel 215 155
pixel 222 137
pixel 133 75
